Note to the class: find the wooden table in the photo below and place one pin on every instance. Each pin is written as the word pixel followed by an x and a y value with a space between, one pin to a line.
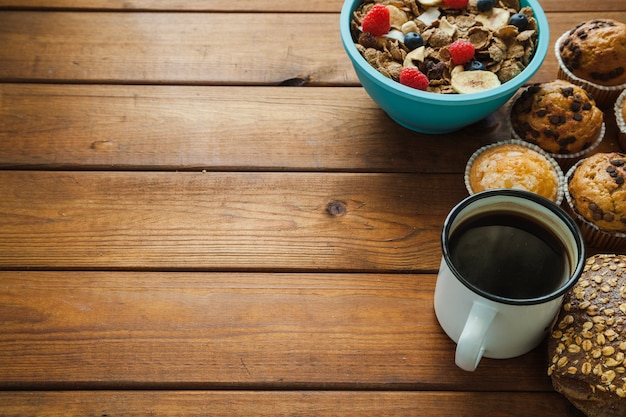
pixel 203 213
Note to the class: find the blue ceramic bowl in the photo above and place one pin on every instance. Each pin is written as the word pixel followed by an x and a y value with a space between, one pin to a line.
pixel 434 113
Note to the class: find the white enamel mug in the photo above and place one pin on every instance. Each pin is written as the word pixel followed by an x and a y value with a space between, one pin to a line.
pixel 484 323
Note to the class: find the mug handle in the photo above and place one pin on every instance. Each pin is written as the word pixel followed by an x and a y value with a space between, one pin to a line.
pixel 469 348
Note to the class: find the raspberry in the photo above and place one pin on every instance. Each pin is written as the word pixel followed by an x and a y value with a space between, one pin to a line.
pixel 456 4
pixel 412 77
pixel 377 21
pixel 461 51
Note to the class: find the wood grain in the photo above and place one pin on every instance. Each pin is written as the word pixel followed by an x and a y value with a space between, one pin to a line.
pixel 225 128
pixel 69 330
pixel 186 230
pixel 262 6
pixel 191 48
pixel 301 403
pixel 328 6
pixel 177 48
pixel 223 221
pixel 219 128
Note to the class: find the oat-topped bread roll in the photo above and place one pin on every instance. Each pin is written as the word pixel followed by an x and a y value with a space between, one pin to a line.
pixel 558 116
pixel 588 342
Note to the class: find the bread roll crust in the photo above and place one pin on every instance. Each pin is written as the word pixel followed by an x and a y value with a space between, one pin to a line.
pixel 588 341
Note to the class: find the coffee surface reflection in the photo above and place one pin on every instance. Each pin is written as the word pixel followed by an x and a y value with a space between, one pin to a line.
pixel 509 255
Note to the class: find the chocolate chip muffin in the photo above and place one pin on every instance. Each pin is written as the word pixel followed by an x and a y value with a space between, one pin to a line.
pixel 596 195
pixel 558 116
pixel 588 342
pixel 593 55
pixel 596 51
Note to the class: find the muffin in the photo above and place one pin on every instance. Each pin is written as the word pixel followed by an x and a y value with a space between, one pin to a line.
pixel 559 117
pixel 588 341
pixel 620 119
pixel 514 164
pixel 593 55
pixel 596 195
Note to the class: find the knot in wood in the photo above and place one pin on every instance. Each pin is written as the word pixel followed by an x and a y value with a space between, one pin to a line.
pixel 336 208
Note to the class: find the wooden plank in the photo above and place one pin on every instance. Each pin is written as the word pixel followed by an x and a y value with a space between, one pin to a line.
pixel 224 128
pixel 224 221
pixel 190 48
pixel 302 403
pixel 116 330
pixel 180 5
pixel 255 5
pixel 218 128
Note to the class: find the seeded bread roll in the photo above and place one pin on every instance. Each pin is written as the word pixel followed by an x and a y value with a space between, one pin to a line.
pixel 596 51
pixel 558 116
pixel 588 342
pixel 597 191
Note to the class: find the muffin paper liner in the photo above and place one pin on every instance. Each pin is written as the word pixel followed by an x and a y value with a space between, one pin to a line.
pixel 619 119
pixel 604 95
pixel 593 235
pixel 555 165
pixel 565 160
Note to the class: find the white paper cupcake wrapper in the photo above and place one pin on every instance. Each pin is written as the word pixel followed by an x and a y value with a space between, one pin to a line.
pixel 594 236
pixel 619 119
pixel 555 165
pixel 603 95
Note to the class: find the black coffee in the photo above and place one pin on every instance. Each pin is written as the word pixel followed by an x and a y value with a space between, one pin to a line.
pixel 509 255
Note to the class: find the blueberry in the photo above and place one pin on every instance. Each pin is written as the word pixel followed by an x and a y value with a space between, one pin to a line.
pixel 519 20
pixel 485 5
pixel 413 40
pixel 474 65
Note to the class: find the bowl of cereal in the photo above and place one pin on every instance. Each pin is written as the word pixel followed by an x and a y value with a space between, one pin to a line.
pixel 436 66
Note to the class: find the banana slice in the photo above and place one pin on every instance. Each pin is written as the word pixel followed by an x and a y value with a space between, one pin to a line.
pixel 429 3
pixel 456 70
pixel 494 19
pixel 416 54
pixel 467 82
pixel 397 17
